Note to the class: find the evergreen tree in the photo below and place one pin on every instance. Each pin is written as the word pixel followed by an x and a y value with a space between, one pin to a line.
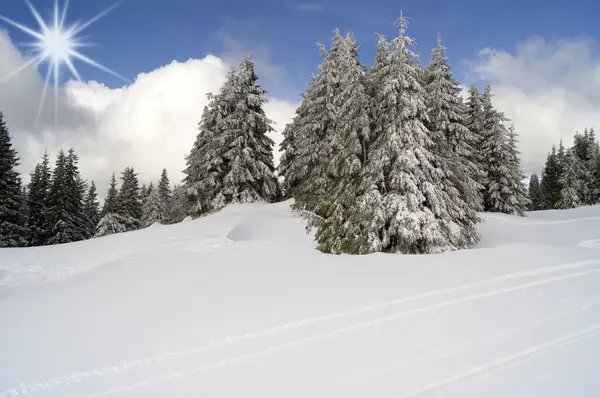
pixel 111 223
pixel 178 206
pixel 250 174
pixel 475 123
pixel 129 205
pixel 313 130
pixel 504 192
pixel 91 210
pixel 13 230
pixel 447 124
pixel 288 154
pixel 350 138
pixel 535 193
pixel 153 208
pixel 570 181
pixel 65 199
pixel 164 189
pixel 111 202
pixel 550 184
pixel 205 164
pixel 39 188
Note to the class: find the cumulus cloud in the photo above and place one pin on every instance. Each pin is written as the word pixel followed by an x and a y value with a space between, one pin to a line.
pixel 149 124
pixel 550 89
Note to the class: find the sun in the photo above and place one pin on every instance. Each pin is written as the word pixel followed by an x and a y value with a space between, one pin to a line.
pixel 56 45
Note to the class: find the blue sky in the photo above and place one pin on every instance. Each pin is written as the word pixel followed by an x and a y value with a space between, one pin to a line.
pixel 141 35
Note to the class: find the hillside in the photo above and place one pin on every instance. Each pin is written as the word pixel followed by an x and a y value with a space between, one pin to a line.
pixel 239 304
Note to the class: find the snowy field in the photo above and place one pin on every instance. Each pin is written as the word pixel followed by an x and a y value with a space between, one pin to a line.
pixel 238 304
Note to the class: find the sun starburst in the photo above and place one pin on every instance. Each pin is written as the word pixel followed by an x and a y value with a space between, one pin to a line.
pixel 56 45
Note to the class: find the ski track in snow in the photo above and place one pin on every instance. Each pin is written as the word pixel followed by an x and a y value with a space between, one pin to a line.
pixel 79 377
pixel 25 389
pixel 589 244
pixel 506 361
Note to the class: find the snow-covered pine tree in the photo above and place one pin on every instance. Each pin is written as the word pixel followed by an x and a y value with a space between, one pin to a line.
pixel 350 137
pixel 474 122
pixel 535 193
pixel 91 209
pixel 165 193
pixel 550 184
pixel 504 191
pixel 406 204
pixel 39 187
pixel 288 154
pixel 570 181
pixel 65 199
pixel 152 206
pixel 448 119
pixel 313 129
pixel 248 153
pixel 178 206
pixel 109 224
pixel 13 224
pixel 205 164
pixel 129 205
pixel 111 201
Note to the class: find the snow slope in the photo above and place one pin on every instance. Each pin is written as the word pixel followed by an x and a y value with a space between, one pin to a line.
pixel 239 304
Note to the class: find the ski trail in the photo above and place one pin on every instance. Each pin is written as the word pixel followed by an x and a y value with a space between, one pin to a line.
pixel 335 332
pixel 231 340
pixel 506 361
pixel 470 344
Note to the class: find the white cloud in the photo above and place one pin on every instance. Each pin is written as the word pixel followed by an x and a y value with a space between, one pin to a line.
pixel 310 7
pixel 550 89
pixel 149 124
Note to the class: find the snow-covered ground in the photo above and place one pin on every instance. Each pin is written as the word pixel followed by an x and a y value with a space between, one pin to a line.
pixel 239 304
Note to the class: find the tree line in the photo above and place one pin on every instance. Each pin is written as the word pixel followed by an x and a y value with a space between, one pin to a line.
pixel 60 206
pixel 570 177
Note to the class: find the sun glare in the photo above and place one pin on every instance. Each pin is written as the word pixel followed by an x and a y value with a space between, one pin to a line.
pixel 56 45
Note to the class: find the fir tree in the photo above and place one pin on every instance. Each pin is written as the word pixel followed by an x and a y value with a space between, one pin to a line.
pixel 535 193
pixel 351 137
pixel 455 142
pixel 129 205
pixel 13 231
pixel 313 132
pixel 165 193
pixel 550 184
pixel 91 210
pixel 570 181
pixel 111 202
pixel 475 123
pixel 504 191
pixel 65 199
pixel 178 206
pixel 39 188
pixel 288 149
pixel 248 153
pixel 111 223
pixel 153 207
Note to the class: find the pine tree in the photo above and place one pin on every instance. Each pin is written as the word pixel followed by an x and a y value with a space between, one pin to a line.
pixel 504 191
pixel 178 206
pixel 111 202
pixel 313 130
pixel 129 205
pixel 164 192
pixel 288 155
pixel 550 184
pixel 152 206
pixel 570 181
pixel 111 223
pixel 205 164
pixel 39 188
pixel 250 174
pixel 475 123
pixel 350 138
pixel 66 214
pixel 13 230
pixel 535 193
pixel 455 142
pixel 91 210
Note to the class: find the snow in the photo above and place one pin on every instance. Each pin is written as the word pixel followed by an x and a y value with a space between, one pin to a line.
pixel 239 304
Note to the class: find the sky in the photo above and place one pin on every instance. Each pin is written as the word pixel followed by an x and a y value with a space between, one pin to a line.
pixel 541 59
